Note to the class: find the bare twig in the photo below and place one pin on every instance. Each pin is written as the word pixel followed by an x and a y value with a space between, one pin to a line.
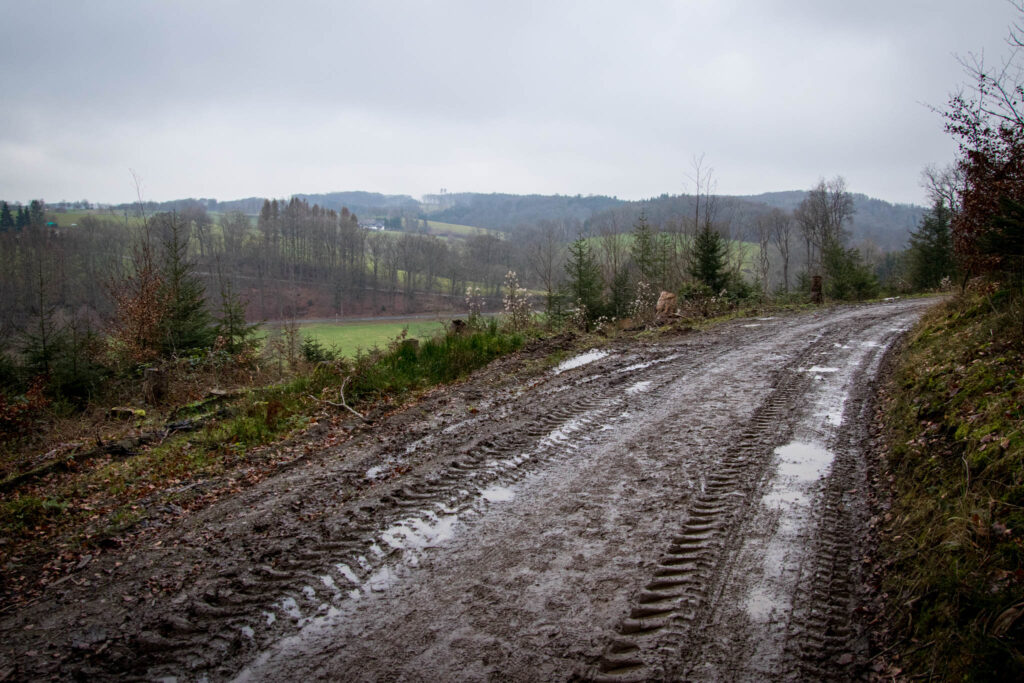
pixel 343 404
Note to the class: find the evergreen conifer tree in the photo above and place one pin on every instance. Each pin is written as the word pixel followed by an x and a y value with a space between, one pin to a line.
pixel 931 249
pixel 846 275
pixel 36 213
pixel 187 324
pixel 585 282
pixel 621 294
pixel 231 325
pixel 645 250
pixel 708 265
pixel 6 217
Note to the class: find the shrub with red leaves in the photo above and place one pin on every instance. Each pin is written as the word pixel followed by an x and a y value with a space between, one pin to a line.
pixel 17 415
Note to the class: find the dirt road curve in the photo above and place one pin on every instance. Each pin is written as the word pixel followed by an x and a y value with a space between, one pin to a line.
pixel 691 509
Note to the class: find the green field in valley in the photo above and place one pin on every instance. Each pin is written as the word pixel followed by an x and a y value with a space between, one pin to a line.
pixel 351 337
pixel 454 230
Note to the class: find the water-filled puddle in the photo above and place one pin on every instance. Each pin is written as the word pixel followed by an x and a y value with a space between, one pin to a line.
pixel 790 496
pixel 580 360
pixel 291 608
pixel 638 388
pixel 778 499
pixel 648 363
pixel 376 472
pixel 497 494
pixel 562 434
pixel 416 533
pixel 347 572
pixel 832 417
pixel 381 580
pixel 804 462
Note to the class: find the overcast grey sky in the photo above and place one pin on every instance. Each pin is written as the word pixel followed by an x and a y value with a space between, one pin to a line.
pixel 234 99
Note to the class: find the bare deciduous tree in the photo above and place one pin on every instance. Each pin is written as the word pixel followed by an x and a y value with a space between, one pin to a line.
pixel 782 237
pixel 545 253
pixel 945 183
pixel 822 215
pixel 763 229
pixel 234 227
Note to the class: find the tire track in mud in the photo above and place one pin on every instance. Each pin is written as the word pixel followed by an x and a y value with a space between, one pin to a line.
pixel 827 641
pixel 672 605
pixel 367 546
pixel 666 633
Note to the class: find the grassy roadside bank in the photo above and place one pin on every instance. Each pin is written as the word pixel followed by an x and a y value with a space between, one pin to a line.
pixel 952 543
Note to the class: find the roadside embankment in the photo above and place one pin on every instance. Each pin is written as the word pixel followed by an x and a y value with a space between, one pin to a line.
pixel 952 543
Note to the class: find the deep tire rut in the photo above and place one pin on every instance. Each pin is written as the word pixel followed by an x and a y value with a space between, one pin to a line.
pixel 672 606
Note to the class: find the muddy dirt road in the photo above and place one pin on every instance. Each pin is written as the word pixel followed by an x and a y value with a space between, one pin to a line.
pixel 691 509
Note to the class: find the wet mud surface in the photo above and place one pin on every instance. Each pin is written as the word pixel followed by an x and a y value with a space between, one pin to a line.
pixel 691 509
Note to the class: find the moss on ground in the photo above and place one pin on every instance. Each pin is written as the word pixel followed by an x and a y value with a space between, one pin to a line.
pixel 954 415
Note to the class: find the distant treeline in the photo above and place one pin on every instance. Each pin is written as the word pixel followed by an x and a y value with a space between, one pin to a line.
pixel 880 224
pixel 299 257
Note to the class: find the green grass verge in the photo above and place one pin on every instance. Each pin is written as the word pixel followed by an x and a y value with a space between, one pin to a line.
pixel 954 545
pixel 438 360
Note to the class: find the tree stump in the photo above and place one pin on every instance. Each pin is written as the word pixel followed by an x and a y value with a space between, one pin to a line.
pixel 816 295
pixel 154 385
pixel 666 306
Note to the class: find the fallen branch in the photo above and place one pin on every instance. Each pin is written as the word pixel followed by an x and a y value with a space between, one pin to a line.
pixel 343 404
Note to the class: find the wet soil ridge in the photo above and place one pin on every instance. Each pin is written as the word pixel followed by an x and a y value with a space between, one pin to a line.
pixel 623 517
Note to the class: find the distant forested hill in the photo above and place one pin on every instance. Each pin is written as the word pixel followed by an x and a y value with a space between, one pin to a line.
pixel 363 204
pixel 509 211
pixel 886 225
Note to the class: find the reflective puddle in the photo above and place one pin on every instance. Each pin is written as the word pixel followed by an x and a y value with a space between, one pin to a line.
pixel 801 466
pixel 580 360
